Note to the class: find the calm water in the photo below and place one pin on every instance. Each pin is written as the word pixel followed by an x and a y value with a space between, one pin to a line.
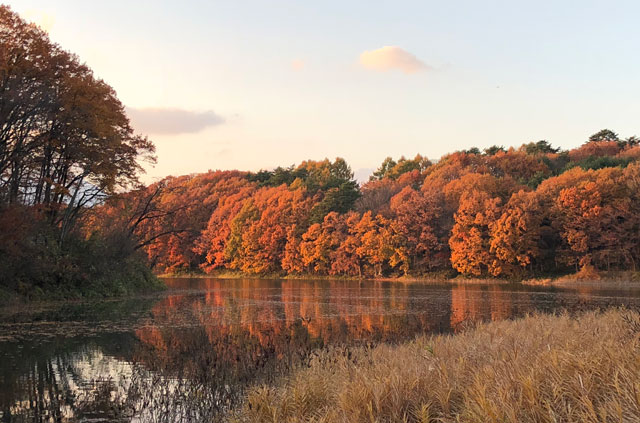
pixel 188 353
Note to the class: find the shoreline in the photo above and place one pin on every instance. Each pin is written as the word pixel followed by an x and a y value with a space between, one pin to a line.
pixel 13 300
pixel 620 279
pixel 612 280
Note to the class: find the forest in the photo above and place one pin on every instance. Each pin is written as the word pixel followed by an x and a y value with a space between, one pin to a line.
pixel 75 220
pixel 511 213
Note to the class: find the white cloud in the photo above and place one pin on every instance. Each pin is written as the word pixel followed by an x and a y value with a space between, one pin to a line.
pixel 392 57
pixel 171 121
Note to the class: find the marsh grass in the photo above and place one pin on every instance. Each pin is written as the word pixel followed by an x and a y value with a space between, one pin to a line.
pixel 589 278
pixel 542 368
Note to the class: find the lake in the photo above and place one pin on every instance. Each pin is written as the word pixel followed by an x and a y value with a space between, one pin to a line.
pixel 189 353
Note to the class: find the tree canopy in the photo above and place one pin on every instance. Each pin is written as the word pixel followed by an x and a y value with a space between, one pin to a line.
pixel 65 139
pixel 508 212
pixel 66 145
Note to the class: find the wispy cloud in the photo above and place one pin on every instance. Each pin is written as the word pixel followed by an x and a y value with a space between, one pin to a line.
pixel 392 57
pixel 171 121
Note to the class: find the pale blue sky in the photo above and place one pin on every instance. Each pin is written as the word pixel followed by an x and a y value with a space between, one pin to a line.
pixel 284 81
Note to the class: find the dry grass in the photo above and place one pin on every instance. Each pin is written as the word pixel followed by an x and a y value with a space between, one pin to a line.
pixel 538 282
pixel 589 278
pixel 538 369
pixel 618 280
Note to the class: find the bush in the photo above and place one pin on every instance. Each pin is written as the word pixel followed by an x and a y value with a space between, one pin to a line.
pixel 34 266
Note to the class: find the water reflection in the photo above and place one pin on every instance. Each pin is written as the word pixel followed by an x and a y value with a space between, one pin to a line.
pixel 188 354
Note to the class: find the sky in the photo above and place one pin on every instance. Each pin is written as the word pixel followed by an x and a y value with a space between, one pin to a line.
pixel 254 84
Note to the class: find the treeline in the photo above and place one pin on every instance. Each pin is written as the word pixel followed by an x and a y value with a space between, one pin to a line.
pixel 511 213
pixel 68 152
pixel 65 146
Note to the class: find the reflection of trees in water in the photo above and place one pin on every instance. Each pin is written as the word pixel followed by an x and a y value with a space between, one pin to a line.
pixel 208 369
pixel 60 380
pixel 473 303
pixel 69 362
pixel 78 382
pixel 205 350
pixel 201 351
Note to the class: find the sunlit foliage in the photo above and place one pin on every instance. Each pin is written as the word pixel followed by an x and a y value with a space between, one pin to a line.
pixel 506 213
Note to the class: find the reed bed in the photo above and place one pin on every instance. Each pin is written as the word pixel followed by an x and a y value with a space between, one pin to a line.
pixel 541 368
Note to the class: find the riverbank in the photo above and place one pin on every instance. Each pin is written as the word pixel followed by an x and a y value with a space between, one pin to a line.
pixel 619 279
pixel 582 369
pixel 123 279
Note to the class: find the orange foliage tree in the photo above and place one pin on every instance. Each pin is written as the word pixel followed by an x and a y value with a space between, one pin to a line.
pixel 599 220
pixel 414 225
pixel 502 212
pixel 470 240
pixel 516 234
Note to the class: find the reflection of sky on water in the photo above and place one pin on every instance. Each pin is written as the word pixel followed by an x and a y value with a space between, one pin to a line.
pixel 69 386
pixel 189 352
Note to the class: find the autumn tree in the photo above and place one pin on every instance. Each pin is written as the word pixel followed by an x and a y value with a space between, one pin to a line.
pixel 594 149
pixel 192 200
pixel 376 195
pixel 374 247
pixel 516 234
pixel 470 240
pixel 321 242
pixel 292 261
pixel 416 235
pixel 493 150
pixel 598 221
pixel 259 232
pixel 65 140
pixel 631 141
pixel 523 168
pixel 394 169
pixel 539 148
pixel 66 146
pixel 214 239
pixel 346 260
pixel 631 178
pixel 501 187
